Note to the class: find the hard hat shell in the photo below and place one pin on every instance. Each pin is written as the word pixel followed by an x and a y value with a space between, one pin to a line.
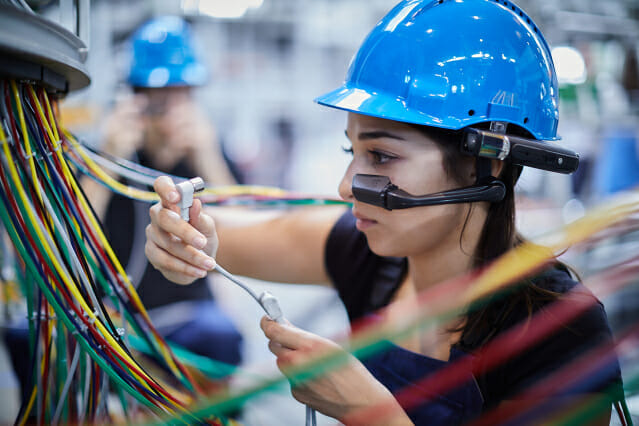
pixel 452 64
pixel 163 55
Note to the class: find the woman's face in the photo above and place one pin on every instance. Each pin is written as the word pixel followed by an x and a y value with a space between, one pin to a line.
pixel 414 163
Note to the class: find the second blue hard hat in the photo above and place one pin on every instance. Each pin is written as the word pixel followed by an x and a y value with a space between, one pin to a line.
pixel 164 55
pixel 452 64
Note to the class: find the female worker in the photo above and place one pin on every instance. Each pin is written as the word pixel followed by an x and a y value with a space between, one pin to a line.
pixel 444 98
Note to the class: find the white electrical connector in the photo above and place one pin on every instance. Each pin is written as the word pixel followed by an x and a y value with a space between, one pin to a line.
pixel 186 190
pixel 270 304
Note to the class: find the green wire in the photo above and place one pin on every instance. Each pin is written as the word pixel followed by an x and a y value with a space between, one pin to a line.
pixel 122 399
pixel 103 281
pixel 361 348
pixel 60 312
pixel 212 368
pixel 57 308
pixel 61 371
pixel 598 404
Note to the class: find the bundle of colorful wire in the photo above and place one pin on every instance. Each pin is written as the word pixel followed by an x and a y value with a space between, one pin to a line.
pixel 94 164
pixel 71 280
pixel 451 298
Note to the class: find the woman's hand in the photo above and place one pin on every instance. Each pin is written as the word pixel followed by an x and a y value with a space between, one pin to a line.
pixel 124 127
pixel 182 251
pixel 338 393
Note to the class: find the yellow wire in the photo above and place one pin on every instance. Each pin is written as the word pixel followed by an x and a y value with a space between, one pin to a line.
pixel 88 213
pixel 165 351
pixel 29 406
pixel 25 133
pixel 531 255
pixel 52 132
pixel 27 410
pixel 135 193
pixel 62 271
pixel 138 194
pixel 51 117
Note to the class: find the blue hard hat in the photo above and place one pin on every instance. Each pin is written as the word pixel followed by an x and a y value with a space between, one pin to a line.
pixel 452 64
pixel 163 55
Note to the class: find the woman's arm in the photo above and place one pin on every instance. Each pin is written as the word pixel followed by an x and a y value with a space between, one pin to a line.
pixel 285 248
pixel 282 247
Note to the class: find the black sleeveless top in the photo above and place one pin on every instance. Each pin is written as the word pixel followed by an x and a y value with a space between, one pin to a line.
pixel 366 282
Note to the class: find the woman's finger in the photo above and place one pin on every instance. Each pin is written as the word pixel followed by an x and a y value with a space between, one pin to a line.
pixel 172 267
pixel 287 335
pixel 167 191
pixel 177 248
pixel 171 222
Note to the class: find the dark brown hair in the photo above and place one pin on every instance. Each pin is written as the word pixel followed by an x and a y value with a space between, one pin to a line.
pixel 498 235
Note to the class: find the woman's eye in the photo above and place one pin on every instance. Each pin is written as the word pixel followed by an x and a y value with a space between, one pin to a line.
pixel 380 157
pixel 347 149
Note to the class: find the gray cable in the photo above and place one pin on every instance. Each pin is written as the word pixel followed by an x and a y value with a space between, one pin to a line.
pixel 67 385
pixel 232 278
pixel 270 305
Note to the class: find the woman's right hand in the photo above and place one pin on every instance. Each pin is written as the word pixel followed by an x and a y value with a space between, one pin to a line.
pixel 182 251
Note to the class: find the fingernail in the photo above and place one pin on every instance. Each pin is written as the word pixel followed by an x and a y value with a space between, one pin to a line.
pixel 173 196
pixel 199 242
pixel 202 273
pixel 209 264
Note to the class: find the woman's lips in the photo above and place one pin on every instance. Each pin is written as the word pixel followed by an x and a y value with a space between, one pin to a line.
pixel 362 223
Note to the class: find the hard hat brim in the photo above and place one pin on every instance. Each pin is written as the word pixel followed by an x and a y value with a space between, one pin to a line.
pixel 375 104
pixel 367 102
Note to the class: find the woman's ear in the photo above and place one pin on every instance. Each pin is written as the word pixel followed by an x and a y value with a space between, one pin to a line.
pixel 496 167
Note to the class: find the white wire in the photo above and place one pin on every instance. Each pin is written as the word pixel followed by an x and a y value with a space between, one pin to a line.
pixel 77 266
pixel 67 384
pixel 120 170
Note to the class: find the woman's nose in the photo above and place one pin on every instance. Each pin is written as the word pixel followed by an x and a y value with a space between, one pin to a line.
pixel 345 185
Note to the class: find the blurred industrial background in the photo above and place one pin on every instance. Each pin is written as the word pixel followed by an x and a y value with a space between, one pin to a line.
pixel 270 58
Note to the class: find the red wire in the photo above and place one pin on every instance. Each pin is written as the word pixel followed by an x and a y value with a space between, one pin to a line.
pixel 50 275
pixel 498 350
pixel 98 246
pixel 14 129
pixel 111 267
pixel 47 354
pixel 620 413
pixel 583 366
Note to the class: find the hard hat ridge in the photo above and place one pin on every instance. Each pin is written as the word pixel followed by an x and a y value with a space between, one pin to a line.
pixel 453 64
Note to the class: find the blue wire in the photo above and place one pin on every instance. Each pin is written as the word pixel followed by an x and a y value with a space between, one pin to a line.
pixel 57 181
pixel 78 328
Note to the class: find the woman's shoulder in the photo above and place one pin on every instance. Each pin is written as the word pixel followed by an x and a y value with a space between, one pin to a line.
pixel 557 282
pixel 586 326
pixel 572 337
pixel 557 278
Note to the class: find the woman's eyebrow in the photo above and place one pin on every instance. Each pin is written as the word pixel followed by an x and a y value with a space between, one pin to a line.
pixel 379 134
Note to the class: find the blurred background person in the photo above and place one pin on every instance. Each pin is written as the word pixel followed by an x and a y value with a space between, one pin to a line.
pixel 159 125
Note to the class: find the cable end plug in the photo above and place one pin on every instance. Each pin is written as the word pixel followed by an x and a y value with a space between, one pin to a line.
pixel 272 307
pixel 186 190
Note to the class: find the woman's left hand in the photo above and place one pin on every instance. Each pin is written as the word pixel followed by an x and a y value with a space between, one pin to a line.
pixel 338 393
